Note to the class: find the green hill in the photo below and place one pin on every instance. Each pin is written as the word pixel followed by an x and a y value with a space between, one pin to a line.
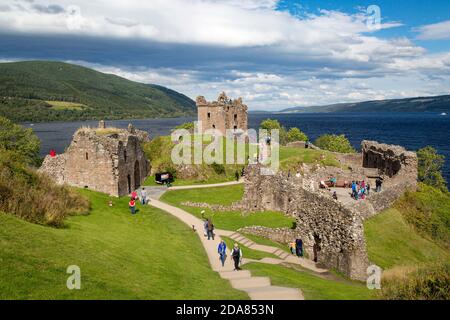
pixel 420 104
pixel 49 91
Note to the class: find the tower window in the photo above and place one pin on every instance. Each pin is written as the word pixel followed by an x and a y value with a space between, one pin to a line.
pixel 125 155
pixel 209 115
pixel 87 156
pixel 235 117
pixel 214 126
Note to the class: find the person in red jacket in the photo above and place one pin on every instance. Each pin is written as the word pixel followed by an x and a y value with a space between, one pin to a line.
pixel 132 205
pixel 52 153
pixel 134 195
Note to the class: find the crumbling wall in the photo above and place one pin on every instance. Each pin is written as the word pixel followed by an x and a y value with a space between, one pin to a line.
pixel 110 162
pixel 331 233
pixel 388 159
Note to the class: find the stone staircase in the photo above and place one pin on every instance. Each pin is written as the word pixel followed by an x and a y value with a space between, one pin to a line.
pixel 260 288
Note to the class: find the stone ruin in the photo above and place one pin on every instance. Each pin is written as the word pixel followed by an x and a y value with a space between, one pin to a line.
pixel 332 232
pixel 222 114
pixel 108 160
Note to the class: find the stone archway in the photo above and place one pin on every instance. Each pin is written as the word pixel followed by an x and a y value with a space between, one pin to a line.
pixel 137 175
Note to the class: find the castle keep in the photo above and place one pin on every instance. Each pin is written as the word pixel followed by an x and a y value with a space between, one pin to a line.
pixel 108 160
pixel 222 114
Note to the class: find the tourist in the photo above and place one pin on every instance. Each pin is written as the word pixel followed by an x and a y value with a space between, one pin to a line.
pixel 210 229
pixel 292 247
pixel 134 195
pixel 52 153
pixel 354 191
pixel 335 195
pixel 222 250
pixel 236 174
pixel 205 225
pixel 368 188
pixel 236 253
pixel 333 181
pixel 110 203
pixel 144 196
pixel 299 247
pixel 378 184
pixel 132 205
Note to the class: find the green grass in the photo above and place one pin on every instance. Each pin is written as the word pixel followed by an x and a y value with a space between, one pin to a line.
pixel 64 105
pixel 247 252
pixel 312 286
pixel 150 181
pixel 291 157
pixel 266 242
pixel 232 220
pixel 392 242
pixel 121 257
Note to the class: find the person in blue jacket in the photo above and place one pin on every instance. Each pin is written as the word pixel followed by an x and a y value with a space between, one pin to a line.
pixel 222 250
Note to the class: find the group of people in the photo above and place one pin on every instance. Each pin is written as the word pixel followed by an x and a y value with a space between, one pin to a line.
pixel 236 254
pixel 297 247
pixel 134 197
pixel 360 189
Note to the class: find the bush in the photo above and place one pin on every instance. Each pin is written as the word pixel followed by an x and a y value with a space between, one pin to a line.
pixel 218 168
pixel 23 141
pixel 426 283
pixel 335 143
pixel 34 197
pixel 429 168
pixel 187 125
pixel 272 124
pixel 294 134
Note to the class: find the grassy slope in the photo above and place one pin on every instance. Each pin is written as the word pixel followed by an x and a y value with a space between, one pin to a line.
pixel 247 252
pixel 120 256
pixel 105 95
pixel 292 157
pixel 312 286
pixel 392 242
pixel 225 196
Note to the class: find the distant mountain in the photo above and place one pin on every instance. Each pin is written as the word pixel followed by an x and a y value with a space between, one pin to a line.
pixel 48 91
pixel 419 104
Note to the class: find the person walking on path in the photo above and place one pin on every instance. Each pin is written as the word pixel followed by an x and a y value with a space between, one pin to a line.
pixel 210 229
pixel 132 205
pixel 236 253
pixel 299 247
pixel 378 184
pixel 144 196
pixel 222 250
pixel 292 247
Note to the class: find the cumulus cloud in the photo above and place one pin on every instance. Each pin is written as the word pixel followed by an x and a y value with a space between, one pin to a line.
pixel 273 59
pixel 436 31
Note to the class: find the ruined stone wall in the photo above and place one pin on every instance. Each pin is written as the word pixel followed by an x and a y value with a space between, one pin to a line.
pixel 390 160
pixel 113 163
pixel 330 232
pixel 222 114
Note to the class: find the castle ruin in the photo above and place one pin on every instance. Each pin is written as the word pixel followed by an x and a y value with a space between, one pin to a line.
pixel 223 114
pixel 108 160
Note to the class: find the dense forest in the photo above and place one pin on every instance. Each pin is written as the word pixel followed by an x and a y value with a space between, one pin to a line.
pixel 49 91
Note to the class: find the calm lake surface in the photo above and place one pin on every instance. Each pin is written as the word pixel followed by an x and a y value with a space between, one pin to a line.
pixel 411 130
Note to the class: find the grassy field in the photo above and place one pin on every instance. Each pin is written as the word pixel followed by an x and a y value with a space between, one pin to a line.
pixel 232 220
pixel 392 242
pixel 64 105
pixel 313 286
pixel 247 252
pixel 267 242
pixel 121 257
pixel 293 157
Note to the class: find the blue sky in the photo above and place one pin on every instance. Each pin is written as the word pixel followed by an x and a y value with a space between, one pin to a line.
pixel 275 54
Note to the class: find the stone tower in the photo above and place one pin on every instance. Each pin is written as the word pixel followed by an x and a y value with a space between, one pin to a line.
pixel 222 114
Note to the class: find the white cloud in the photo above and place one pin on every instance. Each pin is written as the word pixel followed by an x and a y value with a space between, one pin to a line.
pixel 436 31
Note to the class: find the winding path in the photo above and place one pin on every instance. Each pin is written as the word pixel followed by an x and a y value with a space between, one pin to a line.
pixel 258 288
